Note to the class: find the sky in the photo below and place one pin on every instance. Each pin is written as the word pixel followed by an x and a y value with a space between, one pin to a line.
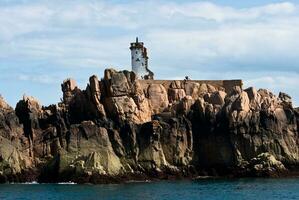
pixel 44 42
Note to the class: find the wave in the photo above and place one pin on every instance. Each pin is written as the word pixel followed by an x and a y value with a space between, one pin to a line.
pixel 139 181
pixel 25 183
pixel 36 183
pixel 67 183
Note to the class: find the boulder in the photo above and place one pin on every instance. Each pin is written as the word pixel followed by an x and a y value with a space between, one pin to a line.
pixel 158 98
pixel 144 113
pixel 68 87
pixel 184 106
pixel 192 89
pixel 269 102
pixel 203 89
pixel 211 88
pixel 242 102
pixel 121 108
pixel 176 84
pixel 265 93
pixel 144 110
pixel 254 97
pixel 266 164
pixel 217 98
pixel 175 94
pixel 118 83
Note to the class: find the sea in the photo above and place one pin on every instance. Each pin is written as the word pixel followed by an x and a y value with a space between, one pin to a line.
pixel 261 188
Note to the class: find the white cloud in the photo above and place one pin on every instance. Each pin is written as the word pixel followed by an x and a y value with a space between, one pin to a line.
pixel 44 79
pixel 210 11
pixel 192 38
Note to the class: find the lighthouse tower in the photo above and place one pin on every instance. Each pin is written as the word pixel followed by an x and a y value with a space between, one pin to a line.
pixel 139 60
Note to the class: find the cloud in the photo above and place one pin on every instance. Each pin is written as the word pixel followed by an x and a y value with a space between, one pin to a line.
pixel 47 41
pixel 45 79
pixel 210 11
pixel 242 47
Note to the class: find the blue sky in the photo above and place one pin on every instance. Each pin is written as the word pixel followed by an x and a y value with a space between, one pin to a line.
pixel 44 42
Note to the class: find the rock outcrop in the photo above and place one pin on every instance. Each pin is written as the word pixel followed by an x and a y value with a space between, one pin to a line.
pixel 119 128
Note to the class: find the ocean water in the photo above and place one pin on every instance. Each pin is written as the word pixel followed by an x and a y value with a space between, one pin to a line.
pixel 200 189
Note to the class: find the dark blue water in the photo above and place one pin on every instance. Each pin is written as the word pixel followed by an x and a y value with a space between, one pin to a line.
pixel 203 189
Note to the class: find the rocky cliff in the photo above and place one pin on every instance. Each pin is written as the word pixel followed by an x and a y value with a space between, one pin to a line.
pixel 116 130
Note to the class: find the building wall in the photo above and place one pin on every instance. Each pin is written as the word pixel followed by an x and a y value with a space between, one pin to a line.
pixel 138 63
pixel 226 84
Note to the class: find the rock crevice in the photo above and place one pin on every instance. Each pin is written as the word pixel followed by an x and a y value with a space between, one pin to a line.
pixel 116 129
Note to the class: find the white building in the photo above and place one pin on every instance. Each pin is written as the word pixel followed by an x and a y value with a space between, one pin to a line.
pixel 140 61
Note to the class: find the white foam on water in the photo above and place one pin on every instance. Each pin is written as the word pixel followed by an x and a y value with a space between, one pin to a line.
pixel 138 181
pixel 26 183
pixel 67 183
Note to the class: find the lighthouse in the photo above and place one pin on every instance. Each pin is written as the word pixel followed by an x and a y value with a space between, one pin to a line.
pixel 139 60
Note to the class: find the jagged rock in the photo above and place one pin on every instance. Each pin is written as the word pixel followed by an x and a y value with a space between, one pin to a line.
pixel 119 126
pixel 217 98
pixel 4 105
pixel 177 141
pixel 68 87
pixel 266 164
pixel 82 108
pixel 211 88
pixel 10 127
pixel 158 98
pixel 118 83
pixel 95 94
pixel 12 160
pixel 242 102
pixel 265 93
pixel 254 97
pixel 128 134
pixel 151 155
pixel 93 149
pixel 176 85
pixel 28 111
pixel 286 100
pixel 175 94
pixel 203 89
pixel 183 107
pixel 192 89
pixel 121 108
pixel 252 93
pixel 269 101
pixel 117 144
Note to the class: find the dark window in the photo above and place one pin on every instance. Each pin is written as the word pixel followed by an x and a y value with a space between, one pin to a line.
pixel 137 59
pixel 136 52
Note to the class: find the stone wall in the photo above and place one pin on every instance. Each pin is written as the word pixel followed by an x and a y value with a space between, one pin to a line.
pixel 226 84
